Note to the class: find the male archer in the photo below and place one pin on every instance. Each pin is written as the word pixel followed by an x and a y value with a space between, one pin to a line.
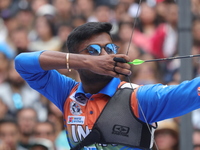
pixel 119 115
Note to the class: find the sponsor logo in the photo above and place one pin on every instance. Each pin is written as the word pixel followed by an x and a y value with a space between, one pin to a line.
pixel 76 120
pixel 120 130
pixel 75 108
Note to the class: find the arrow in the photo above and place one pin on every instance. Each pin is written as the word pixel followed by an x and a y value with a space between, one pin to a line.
pixel 139 61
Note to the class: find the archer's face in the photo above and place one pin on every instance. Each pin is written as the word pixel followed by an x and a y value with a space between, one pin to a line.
pixel 101 39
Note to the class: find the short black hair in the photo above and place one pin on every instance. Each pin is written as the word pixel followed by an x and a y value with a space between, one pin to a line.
pixel 84 32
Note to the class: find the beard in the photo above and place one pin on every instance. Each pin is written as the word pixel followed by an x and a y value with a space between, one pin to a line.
pixel 89 77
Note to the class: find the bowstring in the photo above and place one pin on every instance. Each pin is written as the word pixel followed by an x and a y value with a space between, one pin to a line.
pixel 134 25
pixel 128 77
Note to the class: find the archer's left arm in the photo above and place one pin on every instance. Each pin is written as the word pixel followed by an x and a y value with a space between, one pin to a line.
pixel 159 102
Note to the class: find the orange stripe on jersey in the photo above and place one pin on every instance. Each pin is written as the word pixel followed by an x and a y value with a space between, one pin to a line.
pixel 134 103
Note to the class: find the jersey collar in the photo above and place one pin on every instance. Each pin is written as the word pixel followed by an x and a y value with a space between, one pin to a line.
pixel 109 89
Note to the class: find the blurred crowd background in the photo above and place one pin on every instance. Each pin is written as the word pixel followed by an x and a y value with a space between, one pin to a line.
pixel 28 121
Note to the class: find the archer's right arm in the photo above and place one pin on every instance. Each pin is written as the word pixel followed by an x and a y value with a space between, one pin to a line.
pixel 50 83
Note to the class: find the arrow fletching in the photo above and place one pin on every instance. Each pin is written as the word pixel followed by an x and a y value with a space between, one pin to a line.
pixel 136 62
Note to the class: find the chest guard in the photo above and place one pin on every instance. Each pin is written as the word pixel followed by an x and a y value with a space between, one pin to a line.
pixel 118 125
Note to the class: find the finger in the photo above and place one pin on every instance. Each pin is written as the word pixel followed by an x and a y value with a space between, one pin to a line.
pixel 114 67
pixel 124 65
pixel 123 71
pixel 113 73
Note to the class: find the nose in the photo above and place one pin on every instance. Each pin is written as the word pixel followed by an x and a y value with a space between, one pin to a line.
pixel 103 51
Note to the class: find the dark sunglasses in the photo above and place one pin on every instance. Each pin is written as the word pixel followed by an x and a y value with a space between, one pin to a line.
pixel 95 49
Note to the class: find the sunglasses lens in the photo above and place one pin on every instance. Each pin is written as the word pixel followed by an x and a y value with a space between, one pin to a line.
pixel 111 48
pixel 94 49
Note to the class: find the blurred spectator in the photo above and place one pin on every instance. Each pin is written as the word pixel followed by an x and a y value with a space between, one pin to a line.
pixel 9 135
pixel 196 139
pixel 78 20
pixel 10 23
pixel 126 18
pixel 165 41
pixel 25 17
pixel 84 8
pixel 16 94
pixel 4 4
pixel 47 39
pixel 47 131
pixel 196 45
pixel 119 11
pixel 20 40
pixel 41 144
pixel 166 37
pixel 161 11
pixel 4 112
pixel 27 119
pixel 125 31
pixel 167 136
pixel 195 8
pixel 3 67
pixel 131 7
pixel 63 10
pixel 146 28
pixel 64 30
pixel 102 13
pixel 37 4
pixel 8 5
pixel 55 116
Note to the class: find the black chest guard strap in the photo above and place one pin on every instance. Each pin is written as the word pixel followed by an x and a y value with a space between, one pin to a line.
pixel 118 125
